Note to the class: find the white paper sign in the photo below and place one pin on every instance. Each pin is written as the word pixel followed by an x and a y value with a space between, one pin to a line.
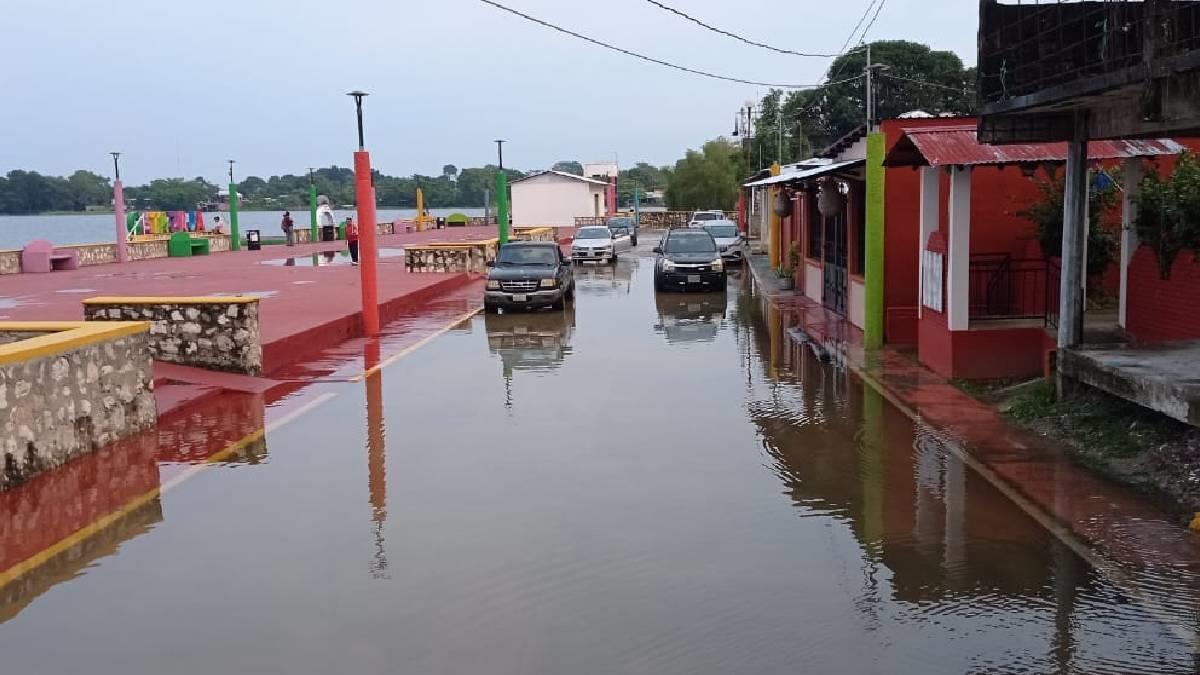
pixel 932 266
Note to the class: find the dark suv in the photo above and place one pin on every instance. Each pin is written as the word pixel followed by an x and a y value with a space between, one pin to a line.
pixel 527 275
pixel 688 259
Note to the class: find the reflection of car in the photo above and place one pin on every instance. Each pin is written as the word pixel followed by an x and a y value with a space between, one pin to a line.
pixel 594 242
pixel 529 274
pixel 702 218
pixel 688 259
pixel 728 238
pixel 690 318
pixel 605 279
pixel 625 223
pixel 530 341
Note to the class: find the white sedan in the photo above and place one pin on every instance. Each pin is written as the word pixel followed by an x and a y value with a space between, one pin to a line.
pixel 596 242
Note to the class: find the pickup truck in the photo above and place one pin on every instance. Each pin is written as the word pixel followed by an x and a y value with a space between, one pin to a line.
pixel 529 275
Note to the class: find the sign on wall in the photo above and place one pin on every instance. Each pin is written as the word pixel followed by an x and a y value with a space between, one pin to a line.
pixel 932 267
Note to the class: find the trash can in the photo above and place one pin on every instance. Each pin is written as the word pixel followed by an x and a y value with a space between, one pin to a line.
pixel 253 240
pixel 441 222
pixel 328 233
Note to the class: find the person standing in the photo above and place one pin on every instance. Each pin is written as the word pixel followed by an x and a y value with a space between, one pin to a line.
pixel 289 228
pixel 352 239
pixel 218 225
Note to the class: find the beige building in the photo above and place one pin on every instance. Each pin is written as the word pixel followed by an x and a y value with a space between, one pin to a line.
pixel 556 198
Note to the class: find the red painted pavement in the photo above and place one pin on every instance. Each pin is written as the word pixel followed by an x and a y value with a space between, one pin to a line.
pixel 303 308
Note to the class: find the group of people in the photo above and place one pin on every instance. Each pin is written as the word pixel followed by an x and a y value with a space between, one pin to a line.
pixel 289 231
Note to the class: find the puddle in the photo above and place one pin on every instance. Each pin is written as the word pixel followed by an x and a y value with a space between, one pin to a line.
pixel 327 258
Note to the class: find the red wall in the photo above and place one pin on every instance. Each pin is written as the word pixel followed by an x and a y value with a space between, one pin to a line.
pixel 1163 310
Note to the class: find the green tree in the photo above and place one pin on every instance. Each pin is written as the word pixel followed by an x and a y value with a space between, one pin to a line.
pixel 89 189
pixel 911 77
pixel 568 166
pixel 706 179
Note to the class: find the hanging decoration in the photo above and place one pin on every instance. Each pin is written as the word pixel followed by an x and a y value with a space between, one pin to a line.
pixel 829 199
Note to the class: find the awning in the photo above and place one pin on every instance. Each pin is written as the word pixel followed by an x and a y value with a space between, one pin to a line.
pixel 959 146
pixel 819 170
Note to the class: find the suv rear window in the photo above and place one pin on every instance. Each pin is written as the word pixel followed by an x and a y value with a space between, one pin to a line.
pixel 687 242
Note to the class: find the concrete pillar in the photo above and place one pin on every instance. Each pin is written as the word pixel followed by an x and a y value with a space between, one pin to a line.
pixel 1129 240
pixel 930 202
pixel 1070 303
pixel 958 251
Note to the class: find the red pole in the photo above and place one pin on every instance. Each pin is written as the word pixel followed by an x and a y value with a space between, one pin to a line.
pixel 612 196
pixel 364 193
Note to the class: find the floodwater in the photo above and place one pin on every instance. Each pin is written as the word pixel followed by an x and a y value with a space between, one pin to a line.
pixel 326 258
pixel 637 484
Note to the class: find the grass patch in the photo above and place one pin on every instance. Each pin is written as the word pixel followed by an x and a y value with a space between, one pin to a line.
pixel 1032 403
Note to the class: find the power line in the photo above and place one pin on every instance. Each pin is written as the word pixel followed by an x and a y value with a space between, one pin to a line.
pixel 873 20
pixel 735 36
pixel 643 57
pixel 926 83
pixel 854 31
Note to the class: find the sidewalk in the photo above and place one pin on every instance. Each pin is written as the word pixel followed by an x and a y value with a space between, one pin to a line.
pixel 1119 532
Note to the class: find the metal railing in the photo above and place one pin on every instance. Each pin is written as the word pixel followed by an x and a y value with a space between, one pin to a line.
pixel 1003 287
pixel 1031 46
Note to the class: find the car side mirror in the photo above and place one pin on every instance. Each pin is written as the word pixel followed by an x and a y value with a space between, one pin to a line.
pixel 491 263
pixel 657 249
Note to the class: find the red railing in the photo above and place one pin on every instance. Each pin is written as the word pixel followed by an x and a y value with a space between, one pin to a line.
pixel 1003 287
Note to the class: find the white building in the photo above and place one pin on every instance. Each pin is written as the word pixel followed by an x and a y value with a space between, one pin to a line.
pixel 601 170
pixel 556 198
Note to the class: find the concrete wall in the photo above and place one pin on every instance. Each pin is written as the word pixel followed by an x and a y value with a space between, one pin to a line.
pixel 205 332
pixel 103 254
pixel 450 257
pixel 554 200
pixel 69 391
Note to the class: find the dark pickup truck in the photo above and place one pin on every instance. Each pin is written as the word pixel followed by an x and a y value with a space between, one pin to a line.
pixel 529 275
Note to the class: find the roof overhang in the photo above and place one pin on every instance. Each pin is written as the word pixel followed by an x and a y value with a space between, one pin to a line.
pixel 960 146
pixel 826 167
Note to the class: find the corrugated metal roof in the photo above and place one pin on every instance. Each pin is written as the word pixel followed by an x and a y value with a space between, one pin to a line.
pixel 959 146
pixel 813 171
pixel 564 174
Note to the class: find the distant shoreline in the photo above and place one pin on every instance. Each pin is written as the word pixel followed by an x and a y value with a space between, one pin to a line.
pixel 102 212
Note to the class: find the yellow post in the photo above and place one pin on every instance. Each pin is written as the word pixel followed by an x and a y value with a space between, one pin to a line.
pixel 420 210
pixel 773 239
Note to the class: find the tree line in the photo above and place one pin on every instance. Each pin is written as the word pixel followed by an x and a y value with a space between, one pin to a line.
pixel 790 127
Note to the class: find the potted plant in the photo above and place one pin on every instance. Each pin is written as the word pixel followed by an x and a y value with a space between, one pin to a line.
pixel 786 281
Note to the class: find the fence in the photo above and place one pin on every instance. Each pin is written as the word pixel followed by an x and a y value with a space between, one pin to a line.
pixel 1003 287
pixel 667 219
pixel 1036 45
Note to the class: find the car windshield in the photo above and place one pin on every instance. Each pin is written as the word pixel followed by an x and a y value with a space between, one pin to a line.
pixel 619 230
pixel 706 216
pixel 593 233
pixel 722 231
pixel 527 255
pixel 620 222
pixel 689 243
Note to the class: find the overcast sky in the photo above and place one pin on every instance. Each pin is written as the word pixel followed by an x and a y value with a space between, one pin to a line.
pixel 179 86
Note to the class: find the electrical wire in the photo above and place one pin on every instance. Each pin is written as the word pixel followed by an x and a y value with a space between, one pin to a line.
pixel 643 57
pixel 854 31
pixel 875 18
pixel 739 38
pixel 926 83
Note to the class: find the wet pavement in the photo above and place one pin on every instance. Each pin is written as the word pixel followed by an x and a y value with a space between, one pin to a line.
pixel 637 484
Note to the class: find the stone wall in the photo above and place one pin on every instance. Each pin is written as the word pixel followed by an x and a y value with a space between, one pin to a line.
pixel 145 248
pixel 10 262
pixel 458 257
pixel 64 393
pixel 206 332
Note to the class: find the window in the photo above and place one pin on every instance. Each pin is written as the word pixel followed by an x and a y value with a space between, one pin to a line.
pixel 860 244
pixel 815 226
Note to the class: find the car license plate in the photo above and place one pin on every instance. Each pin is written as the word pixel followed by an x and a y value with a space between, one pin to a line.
pixel 693 278
pixel 520 297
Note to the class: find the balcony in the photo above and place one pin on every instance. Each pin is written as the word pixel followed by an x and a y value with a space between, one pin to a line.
pixel 1133 65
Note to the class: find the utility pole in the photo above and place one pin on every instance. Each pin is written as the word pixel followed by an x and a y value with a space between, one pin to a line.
pixel 312 208
pixel 870 93
pixel 779 124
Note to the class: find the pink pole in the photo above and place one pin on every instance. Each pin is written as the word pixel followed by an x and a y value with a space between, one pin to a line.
pixel 119 212
pixel 612 196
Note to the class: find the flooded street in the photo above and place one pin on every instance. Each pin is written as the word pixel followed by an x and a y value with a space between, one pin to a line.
pixel 637 484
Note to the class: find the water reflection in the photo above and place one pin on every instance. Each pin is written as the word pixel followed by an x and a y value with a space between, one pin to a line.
pixel 606 279
pixel 59 524
pixel 376 457
pixel 942 550
pixel 690 317
pixel 531 341
pixel 326 258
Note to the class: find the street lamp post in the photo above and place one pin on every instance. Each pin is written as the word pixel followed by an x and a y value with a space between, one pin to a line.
pixel 364 193
pixel 235 238
pixel 501 194
pixel 119 210
pixel 312 208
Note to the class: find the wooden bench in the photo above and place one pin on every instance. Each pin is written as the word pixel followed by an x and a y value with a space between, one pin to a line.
pixel 183 245
pixel 40 256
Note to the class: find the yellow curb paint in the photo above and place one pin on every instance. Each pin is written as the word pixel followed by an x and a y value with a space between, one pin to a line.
pixel 172 300
pixel 64 336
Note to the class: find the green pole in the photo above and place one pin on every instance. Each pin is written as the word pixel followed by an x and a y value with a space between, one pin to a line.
pixel 502 205
pixel 235 239
pixel 312 213
pixel 637 206
pixel 875 225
